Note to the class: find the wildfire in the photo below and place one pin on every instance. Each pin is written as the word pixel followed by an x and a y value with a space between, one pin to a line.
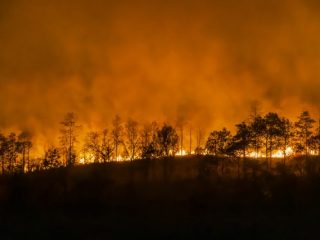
pixel 275 154
pixel 182 153
pixel 120 158
pixel 278 154
pixel 86 158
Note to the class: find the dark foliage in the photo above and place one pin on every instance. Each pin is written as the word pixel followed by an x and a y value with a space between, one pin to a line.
pixel 189 198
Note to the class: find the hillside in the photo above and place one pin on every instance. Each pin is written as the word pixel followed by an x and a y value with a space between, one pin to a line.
pixel 188 197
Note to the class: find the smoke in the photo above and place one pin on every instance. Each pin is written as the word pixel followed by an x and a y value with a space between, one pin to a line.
pixel 197 62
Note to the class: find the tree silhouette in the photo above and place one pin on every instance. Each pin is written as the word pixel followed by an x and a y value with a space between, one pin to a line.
pixel 272 132
pixel 242 139
pixel 3 141
pixel 180 126
pixel 303 130
pixel 68 138
pixel 106 147
pixel 99 145
pixel 11 151
pixel 286 135
pixel 257 126
pixel 218 142
pixel 132 134
pixel 168 140
pixel 25 145
pixel 117 133
pixel 314 141
pixel 317 137
pixel 212 143
pixel 92 145
pixel 149 142
pixel 51 158
pixel 258 129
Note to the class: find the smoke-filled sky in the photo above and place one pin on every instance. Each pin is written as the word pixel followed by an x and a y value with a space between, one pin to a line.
pixel 203 62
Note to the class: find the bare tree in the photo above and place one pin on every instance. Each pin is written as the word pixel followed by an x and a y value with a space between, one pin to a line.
pixel 92 145
pixel 117 134
pixel 149 143
pixel 106 146
pixel 68 137
pixel 132 137
pixel 180 127
pixel 25 144
pixel 199 149
pixel 256 121
pixel 99 145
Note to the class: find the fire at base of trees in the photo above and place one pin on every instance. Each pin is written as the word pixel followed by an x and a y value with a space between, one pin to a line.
pixel 264 137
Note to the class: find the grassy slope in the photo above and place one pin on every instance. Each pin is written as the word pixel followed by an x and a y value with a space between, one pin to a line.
pixel 167 198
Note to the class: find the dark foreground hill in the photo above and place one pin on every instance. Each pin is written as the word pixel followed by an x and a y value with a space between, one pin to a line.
pixel 181 198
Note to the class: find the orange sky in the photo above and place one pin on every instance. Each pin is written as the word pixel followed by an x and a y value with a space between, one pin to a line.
pixel 203 62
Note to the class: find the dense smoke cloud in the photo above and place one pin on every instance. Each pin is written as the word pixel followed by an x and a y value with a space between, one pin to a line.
pixel 201 62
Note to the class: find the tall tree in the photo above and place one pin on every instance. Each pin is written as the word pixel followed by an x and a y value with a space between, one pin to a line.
pixel 92 145
pixel 106 146
pixel 272 132
pixel 303 128
pixel 51 158
pixel 68 137
pixel 99 146
pixel 255 123
pixel 117 134
pixel 286 135
pixel 314 142
pixel 180 126
pixel 190 140
pixel 132 134
pixel 258 129
pixel 25 144
pixel 199 149
pixel 218 142
pixel 242 139
pixel 11 151
pixel 212 143
pixel 318 137
pixel 149 143
pixel 3 141
pixel 168 140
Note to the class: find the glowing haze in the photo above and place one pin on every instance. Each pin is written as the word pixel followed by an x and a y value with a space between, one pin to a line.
pixel 202 62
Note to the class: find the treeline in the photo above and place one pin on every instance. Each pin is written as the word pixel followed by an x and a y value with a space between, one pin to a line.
pixel 15 152
pixel 264 135
pixel 258 137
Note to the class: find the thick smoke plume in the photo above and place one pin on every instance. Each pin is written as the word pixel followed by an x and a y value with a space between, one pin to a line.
pixel 198 62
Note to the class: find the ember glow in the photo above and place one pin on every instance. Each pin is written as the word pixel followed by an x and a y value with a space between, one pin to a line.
pixel 182 153
pixel 276 154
